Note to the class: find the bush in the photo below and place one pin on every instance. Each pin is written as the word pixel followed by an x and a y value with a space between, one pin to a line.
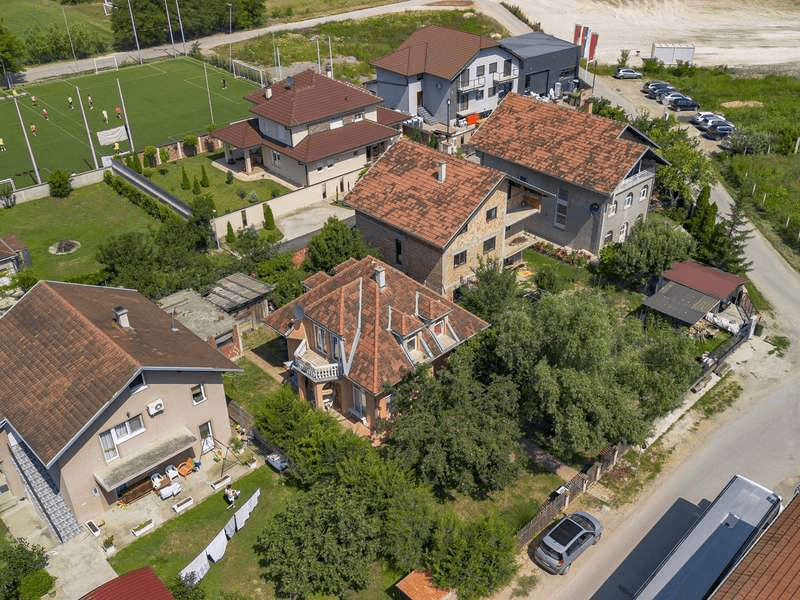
pixel 150 155
pixel 190 142
pixel 60 184
pixel 35 585
pixel 204 177
pixel 269 220
pixel 185 184
pixel 230 236
pixel 164 154
pixel 229 177
pixel 196 187
pixel 151 206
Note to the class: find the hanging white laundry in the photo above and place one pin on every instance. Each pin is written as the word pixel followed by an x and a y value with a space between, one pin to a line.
pixel 199 566
pixel 216 548
pixel 230 527
pixel 241 517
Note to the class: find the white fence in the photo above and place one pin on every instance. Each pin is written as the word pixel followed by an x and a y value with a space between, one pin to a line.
pixel 35 192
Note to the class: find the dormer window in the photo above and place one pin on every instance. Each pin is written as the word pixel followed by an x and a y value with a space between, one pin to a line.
pixel 137 384
pixel 358 117
pixel 334 347
pixel 320 339
pixel 439 328
pixel 410 344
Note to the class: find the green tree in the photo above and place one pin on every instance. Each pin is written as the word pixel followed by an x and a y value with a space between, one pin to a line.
pixel 650 249
pixel 18 558
pixel 253 248
pixel 35 585
pixel 230 236
pixel 12 52
pixel 196 187
pixel 150 155
pixel 60 184
pixel 296 547
pixel 280 271
pixel 269 220
pixel 495 290
pixel 603 108
pixel 185 183
pixel 186 588
pixel 728 244
pixel 204 177
pixel 622 61
pixel 688 166
pixel 334 244
pixel 190 143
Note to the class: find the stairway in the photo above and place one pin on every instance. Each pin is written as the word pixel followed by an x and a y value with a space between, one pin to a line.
pixel 426 116
pixel 42 492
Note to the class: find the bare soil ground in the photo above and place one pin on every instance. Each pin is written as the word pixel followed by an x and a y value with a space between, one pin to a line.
pixel 737 33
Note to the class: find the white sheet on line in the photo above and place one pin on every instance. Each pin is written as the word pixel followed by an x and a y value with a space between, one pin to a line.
pixel 216 548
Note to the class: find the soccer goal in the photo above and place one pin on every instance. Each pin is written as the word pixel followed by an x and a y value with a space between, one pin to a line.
pixel 108 6
pixel 105 63
pixel 243 70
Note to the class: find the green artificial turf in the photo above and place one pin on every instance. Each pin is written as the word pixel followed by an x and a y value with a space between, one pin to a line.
pixel 164 101
pixel 20 16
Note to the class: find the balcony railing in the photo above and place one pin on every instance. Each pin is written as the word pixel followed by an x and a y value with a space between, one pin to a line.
pixel 472 84
pixel 314 366
pixel 500 77
pixel 633 179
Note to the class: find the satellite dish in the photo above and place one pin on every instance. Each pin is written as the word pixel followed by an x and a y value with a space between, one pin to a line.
pixel 299 313
pixel 594 208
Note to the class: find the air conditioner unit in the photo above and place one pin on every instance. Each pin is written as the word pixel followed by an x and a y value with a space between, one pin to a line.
pixel 155 407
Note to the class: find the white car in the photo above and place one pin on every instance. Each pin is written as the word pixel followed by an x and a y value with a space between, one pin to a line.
pixel 667 98
pixel 704 115
pixel 627 73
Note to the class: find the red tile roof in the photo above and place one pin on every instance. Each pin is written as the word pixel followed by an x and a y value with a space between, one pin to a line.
pixel 63 357
pixel 418 585
pixel 352 295
pixel 579 148
pixel 771 569
pixel 335 141
pixel 244 134
pixel 10 245
pixel 435 50
pixel 390 117
pixel 402 190
pixel 702 278
pixel 311 97
pixel 141 584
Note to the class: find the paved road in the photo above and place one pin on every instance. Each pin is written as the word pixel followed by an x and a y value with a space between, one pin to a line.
pixel 758 438
pixel 491 8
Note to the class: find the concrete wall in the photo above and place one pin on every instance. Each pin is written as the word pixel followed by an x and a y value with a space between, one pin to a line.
pixel 337 166
pixel 542 72
pixel 640 189
pixel 80 180
pixel 396 91
pixel 78 467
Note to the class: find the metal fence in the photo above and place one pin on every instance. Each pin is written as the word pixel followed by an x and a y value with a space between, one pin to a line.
pixel 147 186
pixel 560 498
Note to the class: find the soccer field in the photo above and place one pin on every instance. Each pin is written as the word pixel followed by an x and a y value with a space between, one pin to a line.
pixel 164 101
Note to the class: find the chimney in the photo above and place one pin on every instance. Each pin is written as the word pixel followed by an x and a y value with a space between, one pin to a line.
pixel 380 277
pixel 268 93
pixel 442 172
pixel 289 82
pixel 121 317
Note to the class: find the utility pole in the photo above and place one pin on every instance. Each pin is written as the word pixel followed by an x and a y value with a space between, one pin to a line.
pixel 135 36
pixel 180 22
pixel 169 26
pixel 69 35
pixel 230 32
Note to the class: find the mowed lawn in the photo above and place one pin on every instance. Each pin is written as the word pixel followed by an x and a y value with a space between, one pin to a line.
pixel 164 101
pixel 22 15
pixel 173 545
pixel 91 215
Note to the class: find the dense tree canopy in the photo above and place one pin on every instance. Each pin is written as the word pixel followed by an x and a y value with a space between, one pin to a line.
pixel 335 243
pixel 12 52
pixel 496 291
pixel 18 558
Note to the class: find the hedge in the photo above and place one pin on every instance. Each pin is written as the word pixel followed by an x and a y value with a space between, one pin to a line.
pixel 152 207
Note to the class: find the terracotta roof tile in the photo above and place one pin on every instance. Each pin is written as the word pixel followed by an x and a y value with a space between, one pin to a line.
pixel 436 50
pixel 579 148
pixel 140 584
pixel 244 134
pixel 311 97
pixel 771 569
pixel 63 357
pixel 314 280
pixel 418 585
pixel 705 279
pixel 403 190
pixel 338 302
pixel 390 117
pixel 335 141
pixel 10 245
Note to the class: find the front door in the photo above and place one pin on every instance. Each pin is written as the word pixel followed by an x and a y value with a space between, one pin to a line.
pixel 206 437
pixel 419 98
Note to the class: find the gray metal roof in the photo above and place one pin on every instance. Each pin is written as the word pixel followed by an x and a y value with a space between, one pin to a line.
pixel 197 314
pixel 535 43
pixel 681 303
pixel 238 290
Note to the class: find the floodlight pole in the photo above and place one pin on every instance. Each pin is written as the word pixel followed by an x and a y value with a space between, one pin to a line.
pixel 125 113
pixel 27 141
pixel 86 124
pixel 319 61
pixel 230 43
pixel 208 89
pixel 330 55
pixel 135 36
pixel 169 26
pixel 180 22
pixel 69 35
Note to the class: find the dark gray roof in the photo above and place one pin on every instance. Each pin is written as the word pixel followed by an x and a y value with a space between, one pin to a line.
pixel 534 44
pixel 238 290
pixel 197 314
pixel 681 302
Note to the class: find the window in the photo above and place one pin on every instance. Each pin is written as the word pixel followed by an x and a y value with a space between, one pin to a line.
pixel 358 117
pixel 118 434
pixel 464 80
pixel 198 393
pixel 398 251
pixel 507 67
pixel 463 101
pixel 244 218
pixel 479 94
pixel 609 237
pixel 331 162
pixel 336 123
pixel 206 437
pixel 612 208
pixel 493 67
pixel 439 328
pixel 491 214
pixel 137 384
pixel 643 193
pixel 489 245
pixel 320 339
pixel 460 258
pixel 628 199
pixel 335 347
pixel 562 204
pixel 276 158
pixel 410 344
pixel 492 92
pixel 320 167
pixel 359 402
pixel 623 232
pixel 479 71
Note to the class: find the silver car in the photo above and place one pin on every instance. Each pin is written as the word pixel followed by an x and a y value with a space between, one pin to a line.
pixel 627 73
pixel 557 550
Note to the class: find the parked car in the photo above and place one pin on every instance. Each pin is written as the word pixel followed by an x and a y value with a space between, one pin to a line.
pixel 704 124
pixel 657 91
pixel 557 550
pixel 684 103
pixel 717 131
pixel 704 115
pixel 648 84
pixel 667 98
pixel 627 73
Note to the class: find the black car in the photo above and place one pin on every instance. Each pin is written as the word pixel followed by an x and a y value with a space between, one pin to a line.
pixel 718 131
pixel 679 104
pixel 648 84
pixel 657 91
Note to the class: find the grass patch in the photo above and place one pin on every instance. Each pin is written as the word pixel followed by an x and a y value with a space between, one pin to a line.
pixel 22 15
pixel 567 275
pixel 274 351
pixel 720 397
pixel 90 215
pixel 173 545
pixel 285 11
pixel 712 343
pixel 633 472
pixel 227 197
pixel 257 337
pixel 523 586
pixel 364 39
pixel 780 344
pixel 517 503
pixel 381 584
pixel 165 100
pixel 760 303
pixel 247 389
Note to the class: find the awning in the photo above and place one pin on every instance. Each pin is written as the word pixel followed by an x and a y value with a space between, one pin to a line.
pixel 124 470
pixel 681 303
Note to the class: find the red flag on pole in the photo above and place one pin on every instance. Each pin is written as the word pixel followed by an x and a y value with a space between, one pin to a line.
pixel 592 46
pixel 576 38
pixel 585 39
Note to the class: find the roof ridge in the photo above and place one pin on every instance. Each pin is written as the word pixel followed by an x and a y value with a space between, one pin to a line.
pixel 375 339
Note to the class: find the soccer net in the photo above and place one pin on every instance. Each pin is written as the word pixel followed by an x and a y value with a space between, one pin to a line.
pixel 108 6
pixel 105 63
pixel 243 70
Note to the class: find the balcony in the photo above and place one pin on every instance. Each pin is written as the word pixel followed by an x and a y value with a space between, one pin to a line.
pixel 472 84
pixel 314 366
pixel 517 242
pixel 634 179
pixel 510 76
